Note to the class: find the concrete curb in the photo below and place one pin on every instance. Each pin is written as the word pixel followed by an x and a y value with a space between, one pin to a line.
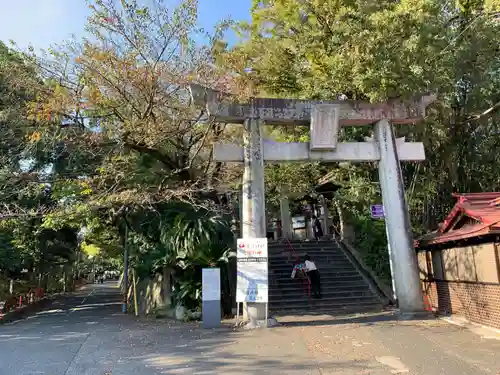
pixel 485 332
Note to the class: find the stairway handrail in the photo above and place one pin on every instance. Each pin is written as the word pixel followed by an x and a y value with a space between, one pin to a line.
pixel 286 239
pixel 294 254
pixel 290 245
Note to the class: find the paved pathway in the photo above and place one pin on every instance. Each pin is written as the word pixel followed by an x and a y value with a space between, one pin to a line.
pixel 85 334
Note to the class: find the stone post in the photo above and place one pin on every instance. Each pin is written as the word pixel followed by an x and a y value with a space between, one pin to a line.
pixel 253 215
pixel 406 277
pixel 240 207
pixel 286 219
pixel 324 216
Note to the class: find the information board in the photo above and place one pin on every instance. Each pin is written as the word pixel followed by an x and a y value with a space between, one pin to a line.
pixel 252 281
pixel 210 284
pixel 298 222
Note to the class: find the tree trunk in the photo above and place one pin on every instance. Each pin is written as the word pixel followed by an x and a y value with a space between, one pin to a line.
pixel 345 230
pixel 68 286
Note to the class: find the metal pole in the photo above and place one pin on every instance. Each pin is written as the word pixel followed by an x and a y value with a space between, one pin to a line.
pixel 134 281
pixel 400 239
pixel 267 312
pixel 125 271
pixel 391 263
pixel 237 313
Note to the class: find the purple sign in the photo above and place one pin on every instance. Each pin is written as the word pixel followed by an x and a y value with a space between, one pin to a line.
pixel 377 211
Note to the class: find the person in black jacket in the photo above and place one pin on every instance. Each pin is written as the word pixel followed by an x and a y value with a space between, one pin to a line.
pixel 318 231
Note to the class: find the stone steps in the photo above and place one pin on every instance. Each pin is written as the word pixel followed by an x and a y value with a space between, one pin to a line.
pixel 327 296
pixel 328 289
pixel 343 287
pixel 325 286
pixel 323 268
pixel 339 274
pixel 345 308
pixel 330 259
pixel 333 304
pixel 302 250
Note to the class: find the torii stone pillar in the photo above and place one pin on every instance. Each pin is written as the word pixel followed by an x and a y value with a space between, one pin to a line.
pixel 253 205
pixel 325 119
pixel 397 221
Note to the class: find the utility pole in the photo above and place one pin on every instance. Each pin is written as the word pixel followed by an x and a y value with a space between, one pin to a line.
pixel 125 271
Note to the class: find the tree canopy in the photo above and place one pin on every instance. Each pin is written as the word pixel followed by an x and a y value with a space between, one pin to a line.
pixel 373 51
pixel 103 136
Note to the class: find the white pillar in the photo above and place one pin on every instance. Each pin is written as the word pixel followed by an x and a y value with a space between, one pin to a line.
pixel 286 219
pixel 254 220
pixel 253 215
pixel 397 220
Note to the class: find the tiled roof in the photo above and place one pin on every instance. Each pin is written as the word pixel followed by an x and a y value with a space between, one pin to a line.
pixel 484 208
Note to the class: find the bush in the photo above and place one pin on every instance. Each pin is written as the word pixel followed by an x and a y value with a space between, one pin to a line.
pixel 371 242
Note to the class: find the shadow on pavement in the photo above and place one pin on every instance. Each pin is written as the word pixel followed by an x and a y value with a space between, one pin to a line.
pixel 365 319
pixel 223 351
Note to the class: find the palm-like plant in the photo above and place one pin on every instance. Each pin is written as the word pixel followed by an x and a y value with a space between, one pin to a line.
pixel 185 238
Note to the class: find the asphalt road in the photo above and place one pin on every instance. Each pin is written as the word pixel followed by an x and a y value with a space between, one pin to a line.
pixel 86 334
pixel 50 341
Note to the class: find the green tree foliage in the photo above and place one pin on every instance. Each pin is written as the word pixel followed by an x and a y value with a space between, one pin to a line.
pixel 115 141
pixel 365 50
pixel 184 239
pixel 18 84
pixel 128 80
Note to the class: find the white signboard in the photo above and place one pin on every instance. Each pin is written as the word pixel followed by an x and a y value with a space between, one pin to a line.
pixel 210 289
pixel 298 222
pixel 252 282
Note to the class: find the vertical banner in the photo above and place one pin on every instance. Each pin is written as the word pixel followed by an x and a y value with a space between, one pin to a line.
pixel 210 295
pixel 252 273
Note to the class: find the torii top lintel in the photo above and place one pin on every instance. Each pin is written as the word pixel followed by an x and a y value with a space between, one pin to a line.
pixel 298 112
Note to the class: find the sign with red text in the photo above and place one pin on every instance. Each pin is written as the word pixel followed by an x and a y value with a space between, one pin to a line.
pixel 252 282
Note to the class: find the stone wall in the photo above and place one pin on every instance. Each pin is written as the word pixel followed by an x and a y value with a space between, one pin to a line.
pixel 152 294
pixel 476 302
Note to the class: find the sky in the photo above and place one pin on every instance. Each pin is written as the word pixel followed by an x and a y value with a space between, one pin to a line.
pixel 42 23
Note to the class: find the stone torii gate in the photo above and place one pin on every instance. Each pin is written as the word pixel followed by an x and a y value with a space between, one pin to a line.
pixel 325 119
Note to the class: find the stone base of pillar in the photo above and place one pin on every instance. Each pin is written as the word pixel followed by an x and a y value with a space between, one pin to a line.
pixel 415 315
pixel 255 316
